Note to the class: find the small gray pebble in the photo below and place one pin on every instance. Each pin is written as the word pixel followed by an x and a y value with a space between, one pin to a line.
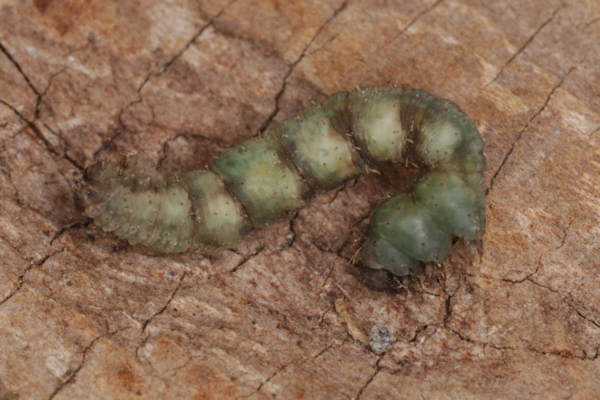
pixel 380 339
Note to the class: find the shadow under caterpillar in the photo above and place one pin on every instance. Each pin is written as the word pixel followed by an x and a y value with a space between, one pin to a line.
pixel 263 178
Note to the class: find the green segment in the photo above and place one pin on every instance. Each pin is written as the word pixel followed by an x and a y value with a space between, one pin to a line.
pixel 379 253
pixel 317 148
pixel 409 228
pixel 220 219
pixel 377 122
pixel 263 181
pixel 453 204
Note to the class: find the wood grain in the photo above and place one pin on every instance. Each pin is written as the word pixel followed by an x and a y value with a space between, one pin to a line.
pixel 83 316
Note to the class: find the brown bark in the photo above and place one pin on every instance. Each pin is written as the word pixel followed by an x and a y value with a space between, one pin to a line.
pixel 84 316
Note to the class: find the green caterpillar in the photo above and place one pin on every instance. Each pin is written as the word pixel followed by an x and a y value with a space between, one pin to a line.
pixel 263 178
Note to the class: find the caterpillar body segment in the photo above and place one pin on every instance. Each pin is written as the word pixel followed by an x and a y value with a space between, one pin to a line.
pixel 265 182
pixel 263 178
pixel 317 141
pixel 220 218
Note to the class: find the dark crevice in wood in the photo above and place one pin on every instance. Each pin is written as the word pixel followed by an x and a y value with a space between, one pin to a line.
pixel 527 43
pixel 411 23
pixel 527 124
pixel 14 62
pixel 293 65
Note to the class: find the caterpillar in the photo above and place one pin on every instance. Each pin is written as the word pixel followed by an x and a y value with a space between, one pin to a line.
pixel 263 178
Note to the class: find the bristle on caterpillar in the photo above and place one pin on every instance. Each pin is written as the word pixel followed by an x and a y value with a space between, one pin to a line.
pixel 260 180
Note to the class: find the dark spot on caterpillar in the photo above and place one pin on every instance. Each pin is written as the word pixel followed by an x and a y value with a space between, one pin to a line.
pixel 427 152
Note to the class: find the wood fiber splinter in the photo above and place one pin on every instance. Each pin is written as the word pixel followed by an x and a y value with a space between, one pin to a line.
pixel 263 178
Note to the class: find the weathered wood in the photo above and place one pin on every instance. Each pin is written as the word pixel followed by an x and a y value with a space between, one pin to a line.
pixel 84 316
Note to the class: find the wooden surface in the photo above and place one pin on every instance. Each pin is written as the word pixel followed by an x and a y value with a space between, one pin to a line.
pixel 282 315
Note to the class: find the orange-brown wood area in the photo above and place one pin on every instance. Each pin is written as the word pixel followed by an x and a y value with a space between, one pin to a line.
pixel 284 314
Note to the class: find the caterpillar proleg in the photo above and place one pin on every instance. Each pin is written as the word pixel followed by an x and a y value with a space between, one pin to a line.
pixel 263 178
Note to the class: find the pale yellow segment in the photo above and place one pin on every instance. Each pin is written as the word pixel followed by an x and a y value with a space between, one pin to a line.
pixel 221 211
pixel 327 152
pixel 438 141
pixel 220 218
pixel 142 209
pixel 262 178
pixel 174 224
pixel 381 130
pixel 175 205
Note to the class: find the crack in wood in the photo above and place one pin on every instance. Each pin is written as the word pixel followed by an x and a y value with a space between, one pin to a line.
pixel 33 127
pixel 84 354
pixel 507 280
pixel 593 132
pixel 526 43
pixel 37 107
pixel 40 97
pixel 14 62
pixel 119 130
pixel 245 259
pixel 297 363
pixel 167 303
pixel 411 23
pixel 567 300
pixel 293 65
pixel 121 127
pixel 529 347
pixel 21 277
pixel 149 320
pixel 377 370
pixel 187 45
pixel 591 22
pixel 527 124
pixel 418 331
